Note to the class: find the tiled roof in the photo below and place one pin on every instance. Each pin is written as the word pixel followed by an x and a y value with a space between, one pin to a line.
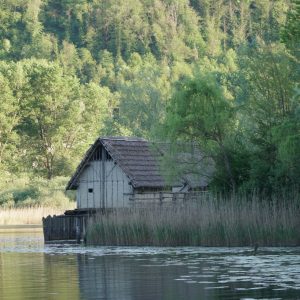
pixel 136 159
pixel 139 160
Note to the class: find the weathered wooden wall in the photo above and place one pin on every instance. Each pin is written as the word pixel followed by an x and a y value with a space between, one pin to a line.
pixel 109 184
pixel 58 228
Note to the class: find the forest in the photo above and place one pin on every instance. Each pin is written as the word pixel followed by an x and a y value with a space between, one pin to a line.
pixel 223 74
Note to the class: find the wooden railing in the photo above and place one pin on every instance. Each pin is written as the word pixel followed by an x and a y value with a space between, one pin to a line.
pixel 166 197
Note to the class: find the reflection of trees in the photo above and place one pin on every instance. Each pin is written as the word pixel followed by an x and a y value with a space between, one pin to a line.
pixel 38 276
pixel 20 272
pixel 119 277
pixel 60 273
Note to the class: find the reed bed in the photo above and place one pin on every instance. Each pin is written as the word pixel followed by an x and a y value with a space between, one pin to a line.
pixel 29 215
pixel 212 222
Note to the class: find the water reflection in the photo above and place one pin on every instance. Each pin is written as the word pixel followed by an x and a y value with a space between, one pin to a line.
pixel 26 272
pixel 31 270
pixel 37 276
pixel 113 277
pixel 186 277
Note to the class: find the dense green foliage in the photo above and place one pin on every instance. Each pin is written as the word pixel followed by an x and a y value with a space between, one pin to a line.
pixel 24 192
pixel 221 73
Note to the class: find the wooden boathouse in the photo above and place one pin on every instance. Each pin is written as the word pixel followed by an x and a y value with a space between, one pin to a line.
pixel 121 172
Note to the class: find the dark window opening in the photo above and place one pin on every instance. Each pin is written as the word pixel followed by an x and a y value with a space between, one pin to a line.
pixel 108 157
pixel 90 190
pixel 97 155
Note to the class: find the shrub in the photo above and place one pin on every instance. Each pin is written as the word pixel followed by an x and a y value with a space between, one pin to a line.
pixel 24 191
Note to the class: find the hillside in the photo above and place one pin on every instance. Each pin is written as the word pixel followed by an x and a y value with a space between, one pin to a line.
pixel 221 73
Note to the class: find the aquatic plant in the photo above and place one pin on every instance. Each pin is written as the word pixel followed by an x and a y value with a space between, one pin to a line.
pixel 206 222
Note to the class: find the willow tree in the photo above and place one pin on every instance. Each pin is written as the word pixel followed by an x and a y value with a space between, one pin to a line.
pixel 271 114
pixel 199 112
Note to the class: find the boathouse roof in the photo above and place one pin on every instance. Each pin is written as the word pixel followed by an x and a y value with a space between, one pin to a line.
pixel 140 160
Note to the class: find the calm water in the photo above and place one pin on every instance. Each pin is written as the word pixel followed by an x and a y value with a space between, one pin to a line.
pixel 31 270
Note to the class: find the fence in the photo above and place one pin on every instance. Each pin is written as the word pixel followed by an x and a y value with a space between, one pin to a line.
pixel 166 197
pixel 60 228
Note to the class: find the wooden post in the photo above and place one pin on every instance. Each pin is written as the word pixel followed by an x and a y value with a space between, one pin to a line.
pixel 103 175
pixel 78 231
pixel 84 220
pixel 160 197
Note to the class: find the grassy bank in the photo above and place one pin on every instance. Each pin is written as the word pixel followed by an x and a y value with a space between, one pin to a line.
pixel 213 222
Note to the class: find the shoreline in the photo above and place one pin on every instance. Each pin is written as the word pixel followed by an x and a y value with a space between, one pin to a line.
pixel 21 228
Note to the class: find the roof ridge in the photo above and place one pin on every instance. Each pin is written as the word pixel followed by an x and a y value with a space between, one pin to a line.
pixel 123 138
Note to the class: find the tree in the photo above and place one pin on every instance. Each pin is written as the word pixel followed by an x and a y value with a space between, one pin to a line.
pixel 271 74
pixel 47 117
pixel 98 102
pixel 9 117
pixel 290 33
pixel 143 90
pixel 51 117
pixel 287 138
pixel 199 112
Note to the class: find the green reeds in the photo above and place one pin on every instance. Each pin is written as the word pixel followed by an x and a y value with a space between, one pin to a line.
pixel 209 222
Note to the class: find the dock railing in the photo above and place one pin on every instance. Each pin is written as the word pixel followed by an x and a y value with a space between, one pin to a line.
pixel 167 197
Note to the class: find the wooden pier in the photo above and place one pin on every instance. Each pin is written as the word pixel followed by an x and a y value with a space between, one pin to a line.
pixel 68 227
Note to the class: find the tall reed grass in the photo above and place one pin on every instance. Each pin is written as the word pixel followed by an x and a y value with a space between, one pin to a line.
pixel 210 222
pixel 29 215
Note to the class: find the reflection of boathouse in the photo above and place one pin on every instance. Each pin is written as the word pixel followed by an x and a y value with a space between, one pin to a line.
pixel 132 277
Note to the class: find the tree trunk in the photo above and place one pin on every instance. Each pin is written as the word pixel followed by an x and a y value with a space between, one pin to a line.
pixel 229 171
pixel 227 165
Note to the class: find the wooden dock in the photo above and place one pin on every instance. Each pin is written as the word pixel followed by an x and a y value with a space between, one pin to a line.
pixel 68 227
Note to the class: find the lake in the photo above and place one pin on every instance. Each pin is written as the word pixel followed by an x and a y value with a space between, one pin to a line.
pixel 31 270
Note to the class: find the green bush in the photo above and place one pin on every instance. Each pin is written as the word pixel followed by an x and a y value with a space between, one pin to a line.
pixel 24 191
pixel 24 194
pixel 6 197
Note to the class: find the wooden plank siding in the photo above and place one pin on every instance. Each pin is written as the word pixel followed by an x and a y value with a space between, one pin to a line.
pixel 63 227
pixel 103 185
